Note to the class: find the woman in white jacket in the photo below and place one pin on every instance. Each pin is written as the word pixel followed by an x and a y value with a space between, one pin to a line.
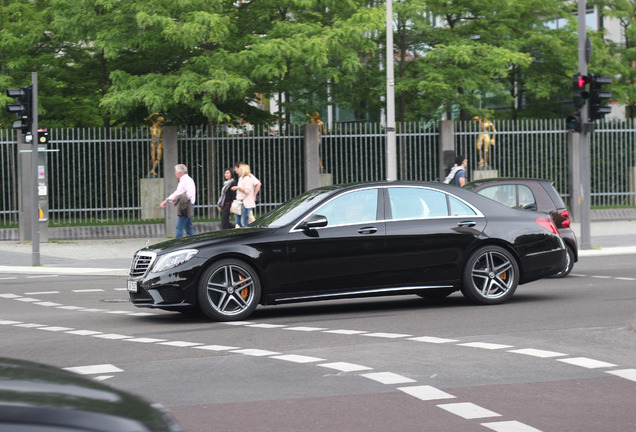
pixel 245 193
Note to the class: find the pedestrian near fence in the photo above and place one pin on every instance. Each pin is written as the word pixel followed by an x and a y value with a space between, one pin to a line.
pixel 186 186
pixel 257 187
pixel 225 200
pixel 245 193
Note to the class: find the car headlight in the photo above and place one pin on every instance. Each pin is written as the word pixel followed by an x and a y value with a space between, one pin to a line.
pixel 173 259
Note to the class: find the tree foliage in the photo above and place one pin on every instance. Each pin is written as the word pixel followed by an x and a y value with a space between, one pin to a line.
pixel 112 62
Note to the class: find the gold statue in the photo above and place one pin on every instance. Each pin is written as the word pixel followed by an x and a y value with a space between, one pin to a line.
pixel 156 143
pixel 485 140
pixel 315 119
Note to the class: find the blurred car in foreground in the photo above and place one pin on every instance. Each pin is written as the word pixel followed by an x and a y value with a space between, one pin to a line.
pixel 343 241
pixel 533 194
pixel 39 398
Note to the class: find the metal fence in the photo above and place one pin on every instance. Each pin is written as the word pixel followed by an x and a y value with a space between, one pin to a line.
pixel 94 177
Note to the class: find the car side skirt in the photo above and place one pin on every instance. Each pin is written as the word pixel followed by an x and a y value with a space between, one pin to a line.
pixel 359 293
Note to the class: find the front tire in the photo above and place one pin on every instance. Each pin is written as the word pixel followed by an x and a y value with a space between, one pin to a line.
pixel 229 291
pixel 490 276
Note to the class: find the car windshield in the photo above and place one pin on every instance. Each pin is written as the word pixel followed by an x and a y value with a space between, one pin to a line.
pixel 292 209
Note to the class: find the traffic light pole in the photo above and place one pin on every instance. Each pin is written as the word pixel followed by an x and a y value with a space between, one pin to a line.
pixel 584 189
pixel 35 230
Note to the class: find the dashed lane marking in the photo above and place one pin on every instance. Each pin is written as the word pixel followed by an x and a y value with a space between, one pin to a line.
pixel 468 410
pixel 586 362
pixel 426 393
pixel 509 426
pixel 629 374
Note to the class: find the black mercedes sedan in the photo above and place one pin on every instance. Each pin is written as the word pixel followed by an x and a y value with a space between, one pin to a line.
pixel 356 240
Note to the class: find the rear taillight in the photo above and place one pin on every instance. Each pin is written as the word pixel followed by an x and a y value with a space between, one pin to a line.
pixel 547 223
pixel 566 219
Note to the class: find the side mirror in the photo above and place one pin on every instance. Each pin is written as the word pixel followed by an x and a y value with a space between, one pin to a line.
pixel 313 221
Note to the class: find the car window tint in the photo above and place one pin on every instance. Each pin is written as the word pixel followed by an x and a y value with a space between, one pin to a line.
pixel 526 198
pixel 504 194
pixel 416 203
pixel 351 208
pixel 459 208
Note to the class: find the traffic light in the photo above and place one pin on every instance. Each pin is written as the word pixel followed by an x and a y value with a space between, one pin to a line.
pixel 579 90
pixel 573 122
pixel 597 96
pixel 23 109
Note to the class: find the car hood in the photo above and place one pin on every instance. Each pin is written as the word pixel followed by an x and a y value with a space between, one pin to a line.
pixel 34 393
pixel 205 239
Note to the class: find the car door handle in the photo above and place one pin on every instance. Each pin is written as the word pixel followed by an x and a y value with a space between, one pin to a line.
pixel 464 224
pixel 367 230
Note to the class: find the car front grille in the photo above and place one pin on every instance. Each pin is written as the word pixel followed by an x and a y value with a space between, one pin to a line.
pixel 141 264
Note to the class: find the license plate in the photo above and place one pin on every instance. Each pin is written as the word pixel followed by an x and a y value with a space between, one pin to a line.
pixel 132 286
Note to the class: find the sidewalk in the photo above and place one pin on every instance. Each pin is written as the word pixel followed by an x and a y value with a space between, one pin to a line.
pixel 113 256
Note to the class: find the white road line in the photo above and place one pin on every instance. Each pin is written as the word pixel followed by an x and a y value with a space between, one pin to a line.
pixel 29 325
pixel 255 352
pixel 28 299
pixel 48 304
pixel 387 335
pixel 9 322
pixel 41 293
pixel 298 358
pixel 426 393
pixel 345 367
pixel 111 336
pixel 88 290
pixel 625 279
pixel 55 328
pixel 216 348
pixel 42 276
pixel 70 307
pixel 265 326
pixel 586 362
pixel 468 410
pixel 485 345
pixel 94 369
pixel 601 277
pixel 145 340
pixel 237 323
pixel 84 332
pixel 538 353
pixel 181 344
pixel 629 374
pixel 9 296
pixel 345 332
pixel 510 426
pixel 305 329
pixel 388 378
pixel 434 340
pixel 8 278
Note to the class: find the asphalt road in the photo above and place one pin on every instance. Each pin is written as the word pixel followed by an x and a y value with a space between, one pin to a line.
pixel 561 356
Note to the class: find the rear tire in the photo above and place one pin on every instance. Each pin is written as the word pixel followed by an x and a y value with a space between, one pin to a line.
pixel 229 290
pixel 490 276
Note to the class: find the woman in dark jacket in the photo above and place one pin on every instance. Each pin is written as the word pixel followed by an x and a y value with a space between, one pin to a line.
pixel 225 200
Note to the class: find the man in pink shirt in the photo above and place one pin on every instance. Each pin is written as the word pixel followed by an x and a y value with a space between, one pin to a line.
pixel 186 186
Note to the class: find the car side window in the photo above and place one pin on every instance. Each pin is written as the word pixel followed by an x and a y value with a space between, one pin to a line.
pixel 526 197
pixel 504 194
pixel 417 203
pixel 459 208
pixel 351 208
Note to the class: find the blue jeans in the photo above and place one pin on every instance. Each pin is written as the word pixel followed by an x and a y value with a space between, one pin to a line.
pixel 184 223
pixel 242 219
